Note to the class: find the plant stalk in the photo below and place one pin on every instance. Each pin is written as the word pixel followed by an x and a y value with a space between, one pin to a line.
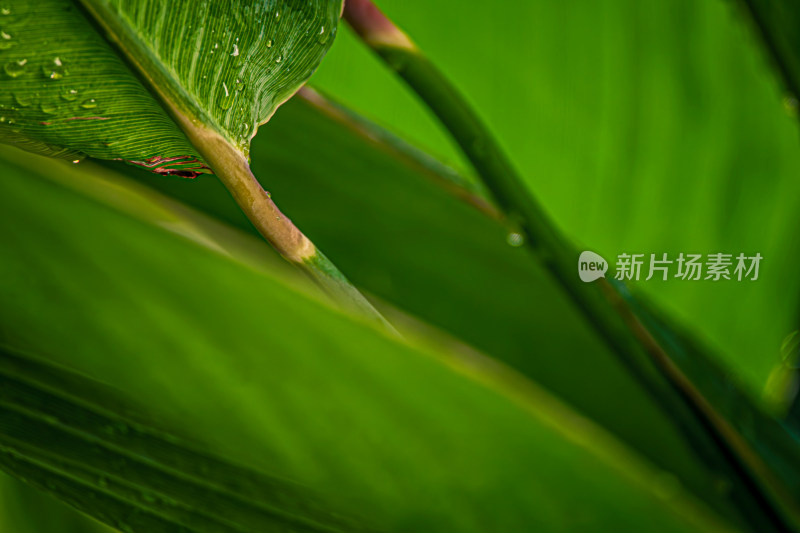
pixel 605 304
pixel 498 174
pixel 232 168
pixel 290 242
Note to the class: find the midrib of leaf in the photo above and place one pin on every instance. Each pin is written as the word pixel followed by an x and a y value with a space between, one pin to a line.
pixel 229 161
pixel 203 131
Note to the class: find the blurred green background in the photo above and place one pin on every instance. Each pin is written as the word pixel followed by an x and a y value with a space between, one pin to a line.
pixel 641 127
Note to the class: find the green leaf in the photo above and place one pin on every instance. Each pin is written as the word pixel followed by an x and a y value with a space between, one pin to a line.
pixel 408 438
pixel 80 441
pixel 421 262
pixel 218 68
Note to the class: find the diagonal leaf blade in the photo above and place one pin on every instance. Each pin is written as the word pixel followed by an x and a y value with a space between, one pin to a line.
pixel 408 437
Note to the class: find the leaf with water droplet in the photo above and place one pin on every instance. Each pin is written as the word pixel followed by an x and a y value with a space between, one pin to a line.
pixel 227 52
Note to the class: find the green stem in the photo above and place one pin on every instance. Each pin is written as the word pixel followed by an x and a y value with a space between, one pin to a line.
pixel 605 304
pixel 231 166
pixel 498 175
pixel 287 239
pixel 491 164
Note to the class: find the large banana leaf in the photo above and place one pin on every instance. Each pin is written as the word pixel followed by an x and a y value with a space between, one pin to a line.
pixel 393 432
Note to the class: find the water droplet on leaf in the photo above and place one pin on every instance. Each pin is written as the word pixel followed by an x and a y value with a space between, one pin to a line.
pixel 515 239
pixel 91 103
pixel 70 95
pixel 790 105
pixel 55 70
pixel 323 36
pixel 16 68
pixel 23 100
pixel 225 101
pixel 6 41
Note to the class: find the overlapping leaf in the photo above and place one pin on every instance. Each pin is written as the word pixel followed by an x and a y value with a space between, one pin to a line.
pixel 217 66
